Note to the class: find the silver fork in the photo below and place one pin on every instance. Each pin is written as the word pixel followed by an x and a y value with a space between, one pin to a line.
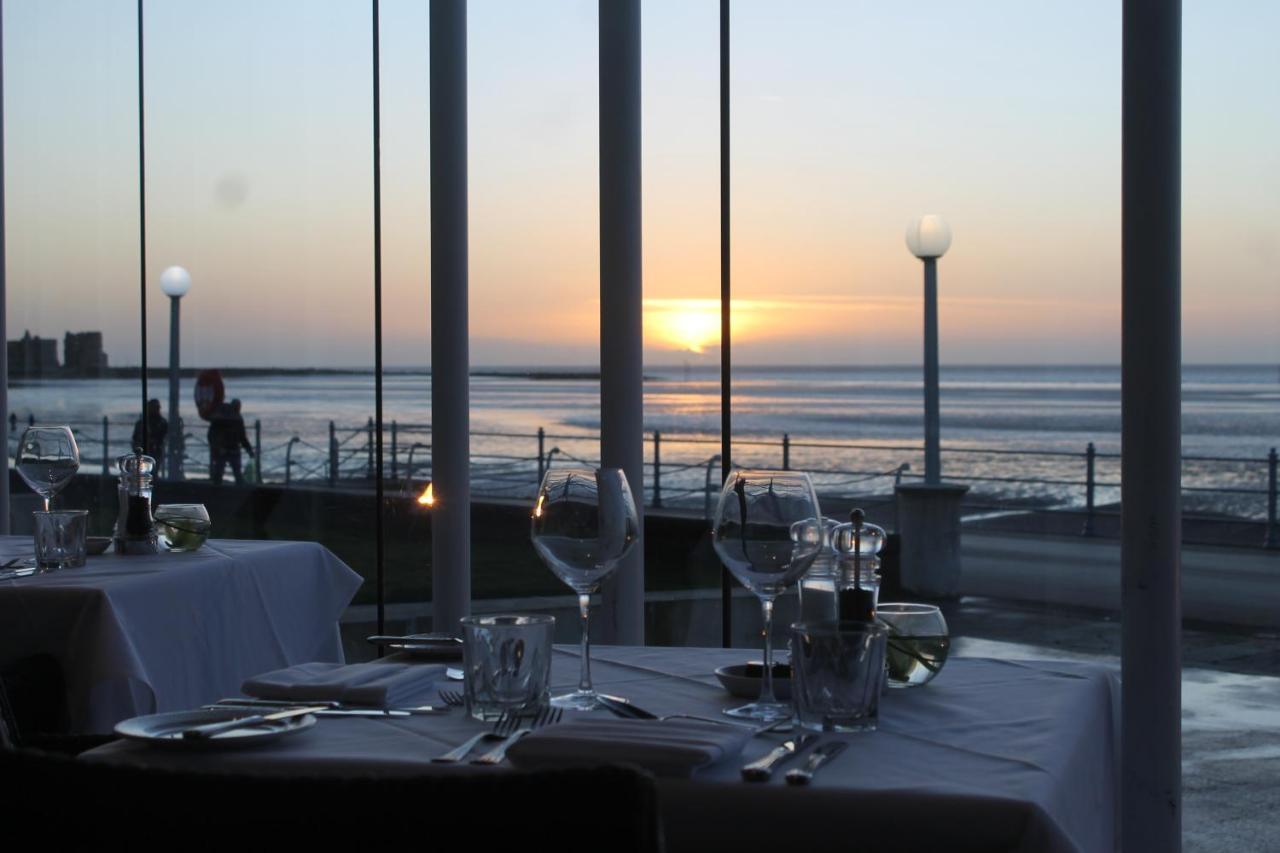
pixel 503 727
pixel 544 717
pixel 452 698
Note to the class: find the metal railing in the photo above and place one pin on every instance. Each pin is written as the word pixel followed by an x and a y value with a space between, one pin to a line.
pixel 679 471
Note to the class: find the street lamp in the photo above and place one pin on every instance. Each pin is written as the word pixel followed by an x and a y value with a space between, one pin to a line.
pixel 175 282
pixel 928 238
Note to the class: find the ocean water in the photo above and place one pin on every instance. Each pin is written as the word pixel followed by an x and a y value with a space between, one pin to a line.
pixel 1017 433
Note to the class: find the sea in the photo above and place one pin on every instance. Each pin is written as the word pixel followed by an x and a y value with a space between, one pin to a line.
pixel 1018 435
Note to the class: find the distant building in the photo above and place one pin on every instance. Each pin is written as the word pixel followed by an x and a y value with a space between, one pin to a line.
pixel 34 357
pixel 82 354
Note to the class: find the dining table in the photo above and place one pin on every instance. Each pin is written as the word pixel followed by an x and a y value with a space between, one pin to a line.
pixel 140 634
pixel 993 754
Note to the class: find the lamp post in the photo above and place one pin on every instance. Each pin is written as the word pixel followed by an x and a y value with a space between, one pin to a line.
pixel 175 282
pixel 928 513
pixel 928 238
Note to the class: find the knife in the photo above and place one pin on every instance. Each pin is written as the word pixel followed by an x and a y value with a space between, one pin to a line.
pixel 820 756
pixel 625 707
pixel 215 729
pixel 334 710
pixel 762 770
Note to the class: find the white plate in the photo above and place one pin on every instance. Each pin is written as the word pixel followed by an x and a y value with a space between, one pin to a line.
pixel 165 730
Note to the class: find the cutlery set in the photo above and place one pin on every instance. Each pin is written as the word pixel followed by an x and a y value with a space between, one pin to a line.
pixel 508 729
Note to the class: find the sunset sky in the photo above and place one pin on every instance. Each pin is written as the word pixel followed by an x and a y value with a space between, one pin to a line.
pixel 849 118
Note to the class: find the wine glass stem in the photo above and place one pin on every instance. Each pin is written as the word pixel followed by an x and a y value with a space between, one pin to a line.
pixel 766 680
pixel 584 609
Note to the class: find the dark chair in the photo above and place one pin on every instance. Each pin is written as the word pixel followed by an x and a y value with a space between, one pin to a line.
pixel 33 709
pixel 73 804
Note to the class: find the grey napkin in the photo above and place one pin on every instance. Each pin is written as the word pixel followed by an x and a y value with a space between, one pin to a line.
pixel 377 684
pixel 663 747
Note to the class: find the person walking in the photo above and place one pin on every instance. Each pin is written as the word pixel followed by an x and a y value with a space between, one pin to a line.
pixel 157 432
pixel 226 437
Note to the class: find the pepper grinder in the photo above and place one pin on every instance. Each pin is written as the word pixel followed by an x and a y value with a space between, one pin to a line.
pixel 857 544
pixel 135 531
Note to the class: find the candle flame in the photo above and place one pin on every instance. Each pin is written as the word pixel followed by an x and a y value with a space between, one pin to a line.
pixel 428 497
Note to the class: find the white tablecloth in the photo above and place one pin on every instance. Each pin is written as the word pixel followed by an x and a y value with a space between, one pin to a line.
pixel 993 755
pixel 141 634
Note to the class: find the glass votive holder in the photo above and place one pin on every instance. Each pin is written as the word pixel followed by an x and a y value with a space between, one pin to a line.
pixel 507 662
pixel 837 670
pixel 60 537
pixel 182 527
pixel 918 642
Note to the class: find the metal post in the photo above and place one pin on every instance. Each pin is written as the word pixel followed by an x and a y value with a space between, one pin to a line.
pixel 1090 456
pixel 932 430
pixel 542 440
pixel 333 455
pixel 106 448
pixel 288 460
pixel 395 452
pixel 657 469
pixel 621 297
pixel 726 313
pixel 4 350
pixel 450 394
pixel 1273 528
pixel 1151 497
pixel 370 444
pixel 786 451
pixel 175 432
pixel 257 450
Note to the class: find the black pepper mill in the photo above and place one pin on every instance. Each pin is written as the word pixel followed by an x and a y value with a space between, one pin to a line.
pixel 135 531
pixel 856 603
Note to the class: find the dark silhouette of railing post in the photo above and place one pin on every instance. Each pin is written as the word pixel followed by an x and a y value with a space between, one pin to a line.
pixel 1273 528
pixel 105 488
pixel 542 439
pixel 657 469
pixel 288 460
pixel 706 487
pixel 369 442
pixel 1090 457
pixel 395 452
pixel 257 450
pixel 786 451
pixel 333 454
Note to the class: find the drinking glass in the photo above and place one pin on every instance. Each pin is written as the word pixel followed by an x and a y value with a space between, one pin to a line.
pixel 837 670
pixel 60 538
pixel 47 459
pixel 918 643
pixel 768 531
pixel 584 523
pixel 182 527
pixel 507 660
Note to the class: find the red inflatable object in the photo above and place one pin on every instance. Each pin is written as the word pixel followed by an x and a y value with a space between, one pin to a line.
pixel 210 392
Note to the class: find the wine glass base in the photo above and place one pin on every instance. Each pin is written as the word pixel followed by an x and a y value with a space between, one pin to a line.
pixel 765 712
pixel 578 700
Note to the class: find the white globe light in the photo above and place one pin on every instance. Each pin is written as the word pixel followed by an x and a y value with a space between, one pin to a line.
pixel 175 281
pixel 929 236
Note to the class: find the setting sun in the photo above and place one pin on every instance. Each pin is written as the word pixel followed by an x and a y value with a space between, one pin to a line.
pixel 690 325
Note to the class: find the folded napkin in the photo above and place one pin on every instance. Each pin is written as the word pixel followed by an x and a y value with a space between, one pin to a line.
pixel 378 684
pixel 663 747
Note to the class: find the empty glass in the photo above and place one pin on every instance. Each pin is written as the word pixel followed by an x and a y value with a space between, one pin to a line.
pixel 837 670
pixel 507 660
pixel 60 538
pixel 47 458
pixel 182 527
pixel 584 523
pixel 918 642
pixel 768 531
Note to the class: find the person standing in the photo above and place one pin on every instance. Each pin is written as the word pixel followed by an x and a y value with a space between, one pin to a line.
pixel 157 432
pixel 226 438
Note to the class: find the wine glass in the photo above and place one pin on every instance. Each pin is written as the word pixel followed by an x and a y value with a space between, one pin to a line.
pixel 768 531
pixel 47 459
pixel 584 523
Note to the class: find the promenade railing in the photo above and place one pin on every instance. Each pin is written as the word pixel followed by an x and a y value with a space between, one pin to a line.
pixel 682 469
